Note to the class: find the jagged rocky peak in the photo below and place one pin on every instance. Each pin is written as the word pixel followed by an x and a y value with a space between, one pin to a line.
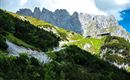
pixel 25 11
pixel 59 17
pixel 76 22
pixel 75 14
pixel 44 10
pixel 45 15
pixel 99 21
pixel 62 15
pixel 37 12
pixel 63 12
pixel 37 9
pixel 83 23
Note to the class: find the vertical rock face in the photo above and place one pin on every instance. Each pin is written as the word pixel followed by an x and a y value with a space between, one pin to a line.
pixel 62 18
pixel 59 18
pixel 37 13
pixel 46 15
pixel 98 24
pixel 93 25
pixel 85 24
pixel 76 22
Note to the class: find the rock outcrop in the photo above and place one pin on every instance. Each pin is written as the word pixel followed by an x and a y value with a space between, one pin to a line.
pixel 26 12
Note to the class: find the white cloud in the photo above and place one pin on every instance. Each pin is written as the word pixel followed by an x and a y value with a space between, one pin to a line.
pixel 107 5
pixel 97 7
pixel 112 7
pixel 23 2
pixel 122 2
pixel 85 6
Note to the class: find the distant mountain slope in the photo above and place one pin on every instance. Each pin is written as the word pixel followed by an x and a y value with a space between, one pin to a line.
pixel 85 24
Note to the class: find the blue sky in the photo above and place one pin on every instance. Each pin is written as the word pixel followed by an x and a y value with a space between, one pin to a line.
pixel 96 7
pixel 125 22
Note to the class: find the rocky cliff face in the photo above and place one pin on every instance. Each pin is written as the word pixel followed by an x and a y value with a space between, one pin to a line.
pixel 93 25
pixel 59 18
pixel 85 24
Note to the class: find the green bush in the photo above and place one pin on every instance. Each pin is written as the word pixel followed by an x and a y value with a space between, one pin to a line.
pixel 20 68
pixel 3 44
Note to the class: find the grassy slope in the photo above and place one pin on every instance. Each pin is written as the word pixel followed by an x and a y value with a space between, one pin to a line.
pixel 15 40
pixel 24 34
pixel 33 21
pixel 95 44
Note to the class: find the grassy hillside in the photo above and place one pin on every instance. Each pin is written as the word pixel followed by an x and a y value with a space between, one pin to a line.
pixel 93 45
pixel 24 33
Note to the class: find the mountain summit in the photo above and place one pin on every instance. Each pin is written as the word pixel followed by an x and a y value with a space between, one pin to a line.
pixel 85 24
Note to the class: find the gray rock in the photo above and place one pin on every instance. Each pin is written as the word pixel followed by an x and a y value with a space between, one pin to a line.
pixel 98 24
pixel 26 12
pixel 37 12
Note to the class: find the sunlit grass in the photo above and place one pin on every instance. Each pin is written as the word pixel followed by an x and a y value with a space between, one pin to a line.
pixel 95 44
